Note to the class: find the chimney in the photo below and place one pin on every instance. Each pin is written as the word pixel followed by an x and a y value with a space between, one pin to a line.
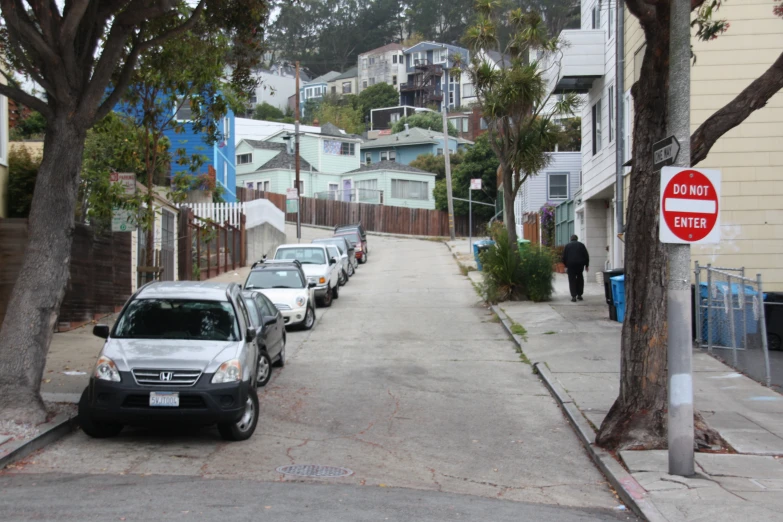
pixel 407 130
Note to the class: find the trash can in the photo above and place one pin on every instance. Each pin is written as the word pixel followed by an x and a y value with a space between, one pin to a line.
pixel 522 245
pixel 618 296
pixel 608 275
pixel 773 314
pixel 478 248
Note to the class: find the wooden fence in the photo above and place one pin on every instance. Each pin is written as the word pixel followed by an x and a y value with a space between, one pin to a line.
pixel 374 218
pixel 208 249
pixel 531 227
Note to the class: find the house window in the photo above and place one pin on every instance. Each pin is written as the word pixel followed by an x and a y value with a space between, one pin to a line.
pixel 394 59
pixel 367 189
pixel 334 89
pixel 185 113
pixel 364 84
pixel 372 60
pixel 368 157
pixel 557 185
pixel 418 59
pixel 364 63
pixel 226 128
pixel 406 189
pixel 348 149
pixel 384 155
pixel 253 99
pixel 464 124
pixel 392 155
pixel 483 124
pixel 468 90
pixel 264 186
pixel 452 96
pixel 597 15
pixel 395 117
pixel 611 114
pixel 394 80
pixel 440 151
pixel 346 87
pixel 372 81
pixel 441 55
pixel 610 19
pixel 596 127
pixel 244 159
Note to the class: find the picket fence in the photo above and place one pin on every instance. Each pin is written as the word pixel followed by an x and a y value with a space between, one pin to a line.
pixel 218 212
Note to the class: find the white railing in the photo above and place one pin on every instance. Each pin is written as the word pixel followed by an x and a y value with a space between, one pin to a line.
pixel 218 212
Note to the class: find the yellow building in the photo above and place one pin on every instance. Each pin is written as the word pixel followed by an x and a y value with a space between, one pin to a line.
pixel 750 156
pixel 3 154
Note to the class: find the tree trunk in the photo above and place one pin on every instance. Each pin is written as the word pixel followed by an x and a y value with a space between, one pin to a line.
pixel 39 290
pixel 508 205
pixel 638 417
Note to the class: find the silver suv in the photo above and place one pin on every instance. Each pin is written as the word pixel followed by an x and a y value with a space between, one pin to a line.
pixel 179 351
pixel 319 266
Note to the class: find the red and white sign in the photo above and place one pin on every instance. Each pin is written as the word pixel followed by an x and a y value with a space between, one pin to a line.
pixel 690 205
pixel 291 193
pixel 126 179
pixel 475 184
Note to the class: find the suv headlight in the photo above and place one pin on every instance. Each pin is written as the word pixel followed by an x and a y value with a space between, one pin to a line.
pixel 300 301
pixel 106 370
pixel 229 371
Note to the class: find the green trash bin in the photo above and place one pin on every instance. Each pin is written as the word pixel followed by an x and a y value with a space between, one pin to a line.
pixel 523 244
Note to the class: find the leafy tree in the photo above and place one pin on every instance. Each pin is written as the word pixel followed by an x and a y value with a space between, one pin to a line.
pixel 378 96
pixel 513 99
pixel 83 56
pixel 267 112
pixel 22 171
pixel 31 127
pixel 437 164
pixel 343 115
pixel 440 20
pixel 570 137
pixel 635 420
pixel 425 120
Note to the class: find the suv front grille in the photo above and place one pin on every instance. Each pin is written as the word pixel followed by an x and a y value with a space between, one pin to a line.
pixel 147 377
pixel 281 306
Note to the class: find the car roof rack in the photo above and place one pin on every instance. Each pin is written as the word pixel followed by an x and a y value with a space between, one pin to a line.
pixel 294 262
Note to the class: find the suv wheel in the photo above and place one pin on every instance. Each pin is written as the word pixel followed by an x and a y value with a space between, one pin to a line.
pixel 243 428
pixel 309 320
pixel 350 269
pixel 93 428
pixel 336 292
pixel 264 371
pixel 326 300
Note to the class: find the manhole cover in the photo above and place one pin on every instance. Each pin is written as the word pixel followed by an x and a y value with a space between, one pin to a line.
pixel 309 470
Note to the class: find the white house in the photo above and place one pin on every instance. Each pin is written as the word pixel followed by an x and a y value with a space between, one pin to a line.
pixel 272 88
pixel 382 65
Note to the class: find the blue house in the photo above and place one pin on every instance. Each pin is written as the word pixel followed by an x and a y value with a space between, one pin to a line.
pixel 429 81
pixel 404 147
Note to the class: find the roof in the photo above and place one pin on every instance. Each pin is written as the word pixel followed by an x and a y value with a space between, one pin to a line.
pixel 383 49
pixel 427 46
pixel 413 136
pixel 390 165
pixel 353 72
pixel 496 57
pixel 283 160
pixel 185 290
pixel 324 78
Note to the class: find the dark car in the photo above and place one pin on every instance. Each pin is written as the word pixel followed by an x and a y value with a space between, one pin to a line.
pixel 359 245
pixel 339 229
pixel 270 338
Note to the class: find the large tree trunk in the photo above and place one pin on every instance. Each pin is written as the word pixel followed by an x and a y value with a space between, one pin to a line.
pixel 35 301
pixel 508 205
pixel 638 417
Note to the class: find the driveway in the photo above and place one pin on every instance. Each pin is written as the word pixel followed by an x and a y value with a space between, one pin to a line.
pixel 407 380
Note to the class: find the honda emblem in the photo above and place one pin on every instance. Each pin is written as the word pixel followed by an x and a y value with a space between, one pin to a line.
pixel 166 376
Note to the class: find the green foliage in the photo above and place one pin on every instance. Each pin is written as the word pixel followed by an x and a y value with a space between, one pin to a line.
pixel 569 138
pixel 706 27
pixel 537 272
pixel 437 164
pixel 425 120
pixel 341 114
pixel 479 161
pixel 267 112
pixel 502 267
pixel 378 96
pixel 22 171
pixel 34 126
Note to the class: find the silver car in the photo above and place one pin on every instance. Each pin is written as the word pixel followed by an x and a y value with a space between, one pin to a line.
pixel 179 351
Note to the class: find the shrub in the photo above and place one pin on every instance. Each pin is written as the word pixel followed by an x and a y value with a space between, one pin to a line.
pixel 502 268
pixel 22 172
pixel 537 273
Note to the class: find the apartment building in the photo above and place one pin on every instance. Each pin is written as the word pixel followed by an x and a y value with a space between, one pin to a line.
pixel 428 80
pixel 382 65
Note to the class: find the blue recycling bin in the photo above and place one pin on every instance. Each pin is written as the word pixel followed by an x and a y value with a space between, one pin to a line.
pixel 478 248
pixel 724 300
pixel 618 296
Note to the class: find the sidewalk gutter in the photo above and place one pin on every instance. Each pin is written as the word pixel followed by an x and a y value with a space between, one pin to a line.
pixel 49 432
pixel 628 489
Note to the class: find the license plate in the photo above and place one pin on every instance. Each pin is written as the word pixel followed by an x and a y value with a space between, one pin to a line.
pixel 165 399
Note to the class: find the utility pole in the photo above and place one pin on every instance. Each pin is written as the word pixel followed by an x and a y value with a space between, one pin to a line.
pixel 296 160
pixel 447 159
pixel 679 352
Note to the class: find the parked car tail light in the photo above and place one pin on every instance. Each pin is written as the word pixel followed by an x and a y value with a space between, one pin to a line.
pixel 358 247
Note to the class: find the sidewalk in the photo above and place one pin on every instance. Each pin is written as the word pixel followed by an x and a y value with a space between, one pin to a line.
pixel 580 346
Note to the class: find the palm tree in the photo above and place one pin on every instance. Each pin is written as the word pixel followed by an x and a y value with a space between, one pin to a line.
pixel 520 113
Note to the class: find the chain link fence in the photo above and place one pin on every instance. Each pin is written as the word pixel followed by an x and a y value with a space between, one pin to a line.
pixel 730 322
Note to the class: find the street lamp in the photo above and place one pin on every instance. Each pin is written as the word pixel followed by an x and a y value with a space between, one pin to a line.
pixel 447 159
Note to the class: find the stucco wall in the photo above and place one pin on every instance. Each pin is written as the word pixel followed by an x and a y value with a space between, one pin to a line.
pixel 263 240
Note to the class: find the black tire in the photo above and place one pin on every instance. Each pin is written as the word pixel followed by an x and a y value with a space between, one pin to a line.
pixel 336 292
pixel 308 324
pixel 351 270
pixel 343 278
pixel 93 428
pixel 242 429
pixel 264 369
pixel 326 300
pixel 363 259
pixel 280 362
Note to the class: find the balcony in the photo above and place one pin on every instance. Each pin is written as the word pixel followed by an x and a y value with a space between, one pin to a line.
pixel 428 67
pixel 580 61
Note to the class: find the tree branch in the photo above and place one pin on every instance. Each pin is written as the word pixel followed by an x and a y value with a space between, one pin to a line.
pixel 641 10
pixel 27 100
pixel 184 27
pixel 122 81
pixel 754 97
pixel 19 24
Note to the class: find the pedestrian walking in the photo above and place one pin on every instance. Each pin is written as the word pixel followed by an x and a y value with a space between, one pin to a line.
pixel 577 260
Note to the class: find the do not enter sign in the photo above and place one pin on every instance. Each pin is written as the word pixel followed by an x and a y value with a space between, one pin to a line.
pixel 690 205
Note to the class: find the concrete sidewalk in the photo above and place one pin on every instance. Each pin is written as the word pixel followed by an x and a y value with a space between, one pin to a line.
pixel 581 348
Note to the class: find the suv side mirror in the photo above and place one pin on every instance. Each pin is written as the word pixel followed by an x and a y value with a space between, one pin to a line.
pixel 311 285
pixel 251 334
pixel 101 330
pixel 332 261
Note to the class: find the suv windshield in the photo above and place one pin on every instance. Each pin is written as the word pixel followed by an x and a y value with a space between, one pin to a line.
pixel 353 237
pixel 306 256
pixel 274 279
pixel 338 242
pixel 178 319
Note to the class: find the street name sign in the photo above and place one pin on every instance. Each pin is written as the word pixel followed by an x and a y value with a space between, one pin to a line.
pixel 665 152
pixel 690 206
pixel 291 193
pixel 475 184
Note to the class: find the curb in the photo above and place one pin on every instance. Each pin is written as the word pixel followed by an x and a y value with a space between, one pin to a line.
pixel 51 431
pixel 628 489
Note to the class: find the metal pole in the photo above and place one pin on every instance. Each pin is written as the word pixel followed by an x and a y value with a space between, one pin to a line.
pixel 447 160
pixel 732 331
pixel 709 308
pixel 619 131
pixel 296 160
pixel 470 218
pixel 680 349
pixel 763 329
pixel 697 303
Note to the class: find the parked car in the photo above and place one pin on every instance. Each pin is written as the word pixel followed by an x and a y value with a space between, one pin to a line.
pixel 179 351
pixel 339 229
pixel 319 268
pixel 356 240
pixel 286 285
pixel 270 336
pixel 342 263
pixel 346 249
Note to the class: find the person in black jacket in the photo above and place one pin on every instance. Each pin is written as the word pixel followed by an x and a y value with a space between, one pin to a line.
pixel 576 259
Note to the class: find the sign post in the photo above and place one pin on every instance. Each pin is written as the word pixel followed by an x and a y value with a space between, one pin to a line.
pixel 475 184
pixel 292 202
pixel 123 220
pixel 665 152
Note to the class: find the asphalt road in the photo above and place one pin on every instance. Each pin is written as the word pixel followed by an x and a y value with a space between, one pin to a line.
pixel 407 380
